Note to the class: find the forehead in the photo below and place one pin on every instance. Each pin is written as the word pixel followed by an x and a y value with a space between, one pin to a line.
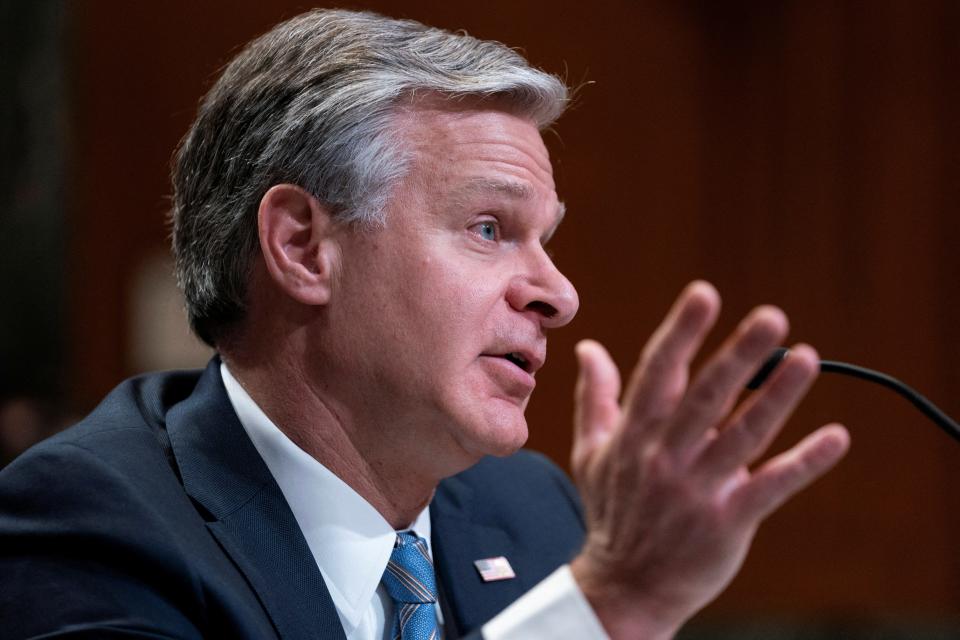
pixel 470 150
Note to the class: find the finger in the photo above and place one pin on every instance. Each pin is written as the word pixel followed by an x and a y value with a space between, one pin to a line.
pixel 597 397
pixel 722 379
pixel 660 378
pixel 783 476
pixel 755 425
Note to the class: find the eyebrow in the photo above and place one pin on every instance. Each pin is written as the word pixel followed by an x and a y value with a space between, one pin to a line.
pixel 511 189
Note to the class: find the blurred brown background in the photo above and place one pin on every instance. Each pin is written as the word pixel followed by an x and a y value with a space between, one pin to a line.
pixel 797 153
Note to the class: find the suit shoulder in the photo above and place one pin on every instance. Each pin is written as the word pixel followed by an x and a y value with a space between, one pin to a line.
pixel 525 481
pixel 136 403
pixel 525 467
pixel 112 464
pixel 84 480
pixel 135 410
pixel 85 544
pixel 99 505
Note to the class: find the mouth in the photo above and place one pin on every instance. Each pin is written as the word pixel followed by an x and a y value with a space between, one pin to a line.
pixel 527 360
pixel 519 360
pixel 515 371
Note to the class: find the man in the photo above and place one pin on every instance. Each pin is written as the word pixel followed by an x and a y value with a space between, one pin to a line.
pixel 361 210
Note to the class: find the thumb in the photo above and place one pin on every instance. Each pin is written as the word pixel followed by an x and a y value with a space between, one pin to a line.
pixel 597 409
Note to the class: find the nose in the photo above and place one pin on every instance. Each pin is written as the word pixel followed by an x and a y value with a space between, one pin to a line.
pixel 542 290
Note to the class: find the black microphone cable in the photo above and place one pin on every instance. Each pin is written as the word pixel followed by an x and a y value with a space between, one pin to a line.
pixel 926 407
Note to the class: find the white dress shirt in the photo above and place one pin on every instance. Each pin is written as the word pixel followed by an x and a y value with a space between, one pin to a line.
pixel 352 544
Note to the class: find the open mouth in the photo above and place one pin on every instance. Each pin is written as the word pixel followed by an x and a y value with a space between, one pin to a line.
pixel 518 360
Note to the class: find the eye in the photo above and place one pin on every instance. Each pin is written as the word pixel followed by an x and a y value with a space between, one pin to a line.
pixel 488 230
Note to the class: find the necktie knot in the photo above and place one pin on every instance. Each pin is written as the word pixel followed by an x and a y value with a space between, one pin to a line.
pixel 409 577
pixel 412 586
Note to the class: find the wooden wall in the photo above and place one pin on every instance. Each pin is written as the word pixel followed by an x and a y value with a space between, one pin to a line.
pixel 798 153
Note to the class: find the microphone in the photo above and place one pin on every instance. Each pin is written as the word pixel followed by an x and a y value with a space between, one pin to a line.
pixel 926 407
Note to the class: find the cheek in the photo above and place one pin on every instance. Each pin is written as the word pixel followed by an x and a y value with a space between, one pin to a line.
pixel 451 297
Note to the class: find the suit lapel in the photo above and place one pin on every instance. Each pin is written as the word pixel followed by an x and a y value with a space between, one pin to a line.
pixel 222 471
pixel 459 540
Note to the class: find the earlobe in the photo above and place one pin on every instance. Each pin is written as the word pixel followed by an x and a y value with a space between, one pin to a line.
pixel 296 239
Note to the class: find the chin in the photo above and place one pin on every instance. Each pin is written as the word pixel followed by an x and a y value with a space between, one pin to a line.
pixel 501 434
pixel 482 440
pixel 507 449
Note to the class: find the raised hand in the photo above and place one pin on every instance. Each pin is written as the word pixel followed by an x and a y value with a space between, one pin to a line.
pixel 671 503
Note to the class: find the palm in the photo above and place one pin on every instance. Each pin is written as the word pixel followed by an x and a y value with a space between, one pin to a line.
pixel 671 504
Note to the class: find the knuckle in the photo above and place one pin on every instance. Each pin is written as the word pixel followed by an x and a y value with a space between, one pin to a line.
pixel 657 464
pixel 708 395
pixel 751 428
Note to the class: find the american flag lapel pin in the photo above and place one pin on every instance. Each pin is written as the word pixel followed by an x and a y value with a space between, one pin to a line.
pixel 493 569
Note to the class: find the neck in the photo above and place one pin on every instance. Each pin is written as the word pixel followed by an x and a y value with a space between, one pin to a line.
pixel 355 451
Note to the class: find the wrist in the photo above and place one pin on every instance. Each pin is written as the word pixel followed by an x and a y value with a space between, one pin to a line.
pixel 625 612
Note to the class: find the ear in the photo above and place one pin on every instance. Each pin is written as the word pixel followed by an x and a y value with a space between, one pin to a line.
pixel 296 238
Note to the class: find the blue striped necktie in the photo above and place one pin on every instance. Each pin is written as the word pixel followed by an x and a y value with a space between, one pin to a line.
pixel 411 584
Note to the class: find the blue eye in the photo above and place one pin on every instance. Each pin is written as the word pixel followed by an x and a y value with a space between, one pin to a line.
pixel 487 230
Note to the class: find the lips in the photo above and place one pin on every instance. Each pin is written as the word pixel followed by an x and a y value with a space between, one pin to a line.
pixel 519 360
pixel 512 362
pixel 526 359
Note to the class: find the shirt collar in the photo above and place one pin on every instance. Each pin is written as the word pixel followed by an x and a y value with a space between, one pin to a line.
pixel 349 539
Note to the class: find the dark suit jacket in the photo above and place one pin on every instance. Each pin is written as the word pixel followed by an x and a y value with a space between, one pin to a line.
pixel 155 517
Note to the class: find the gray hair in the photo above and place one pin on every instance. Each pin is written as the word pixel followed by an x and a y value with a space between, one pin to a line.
pixel 312 103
